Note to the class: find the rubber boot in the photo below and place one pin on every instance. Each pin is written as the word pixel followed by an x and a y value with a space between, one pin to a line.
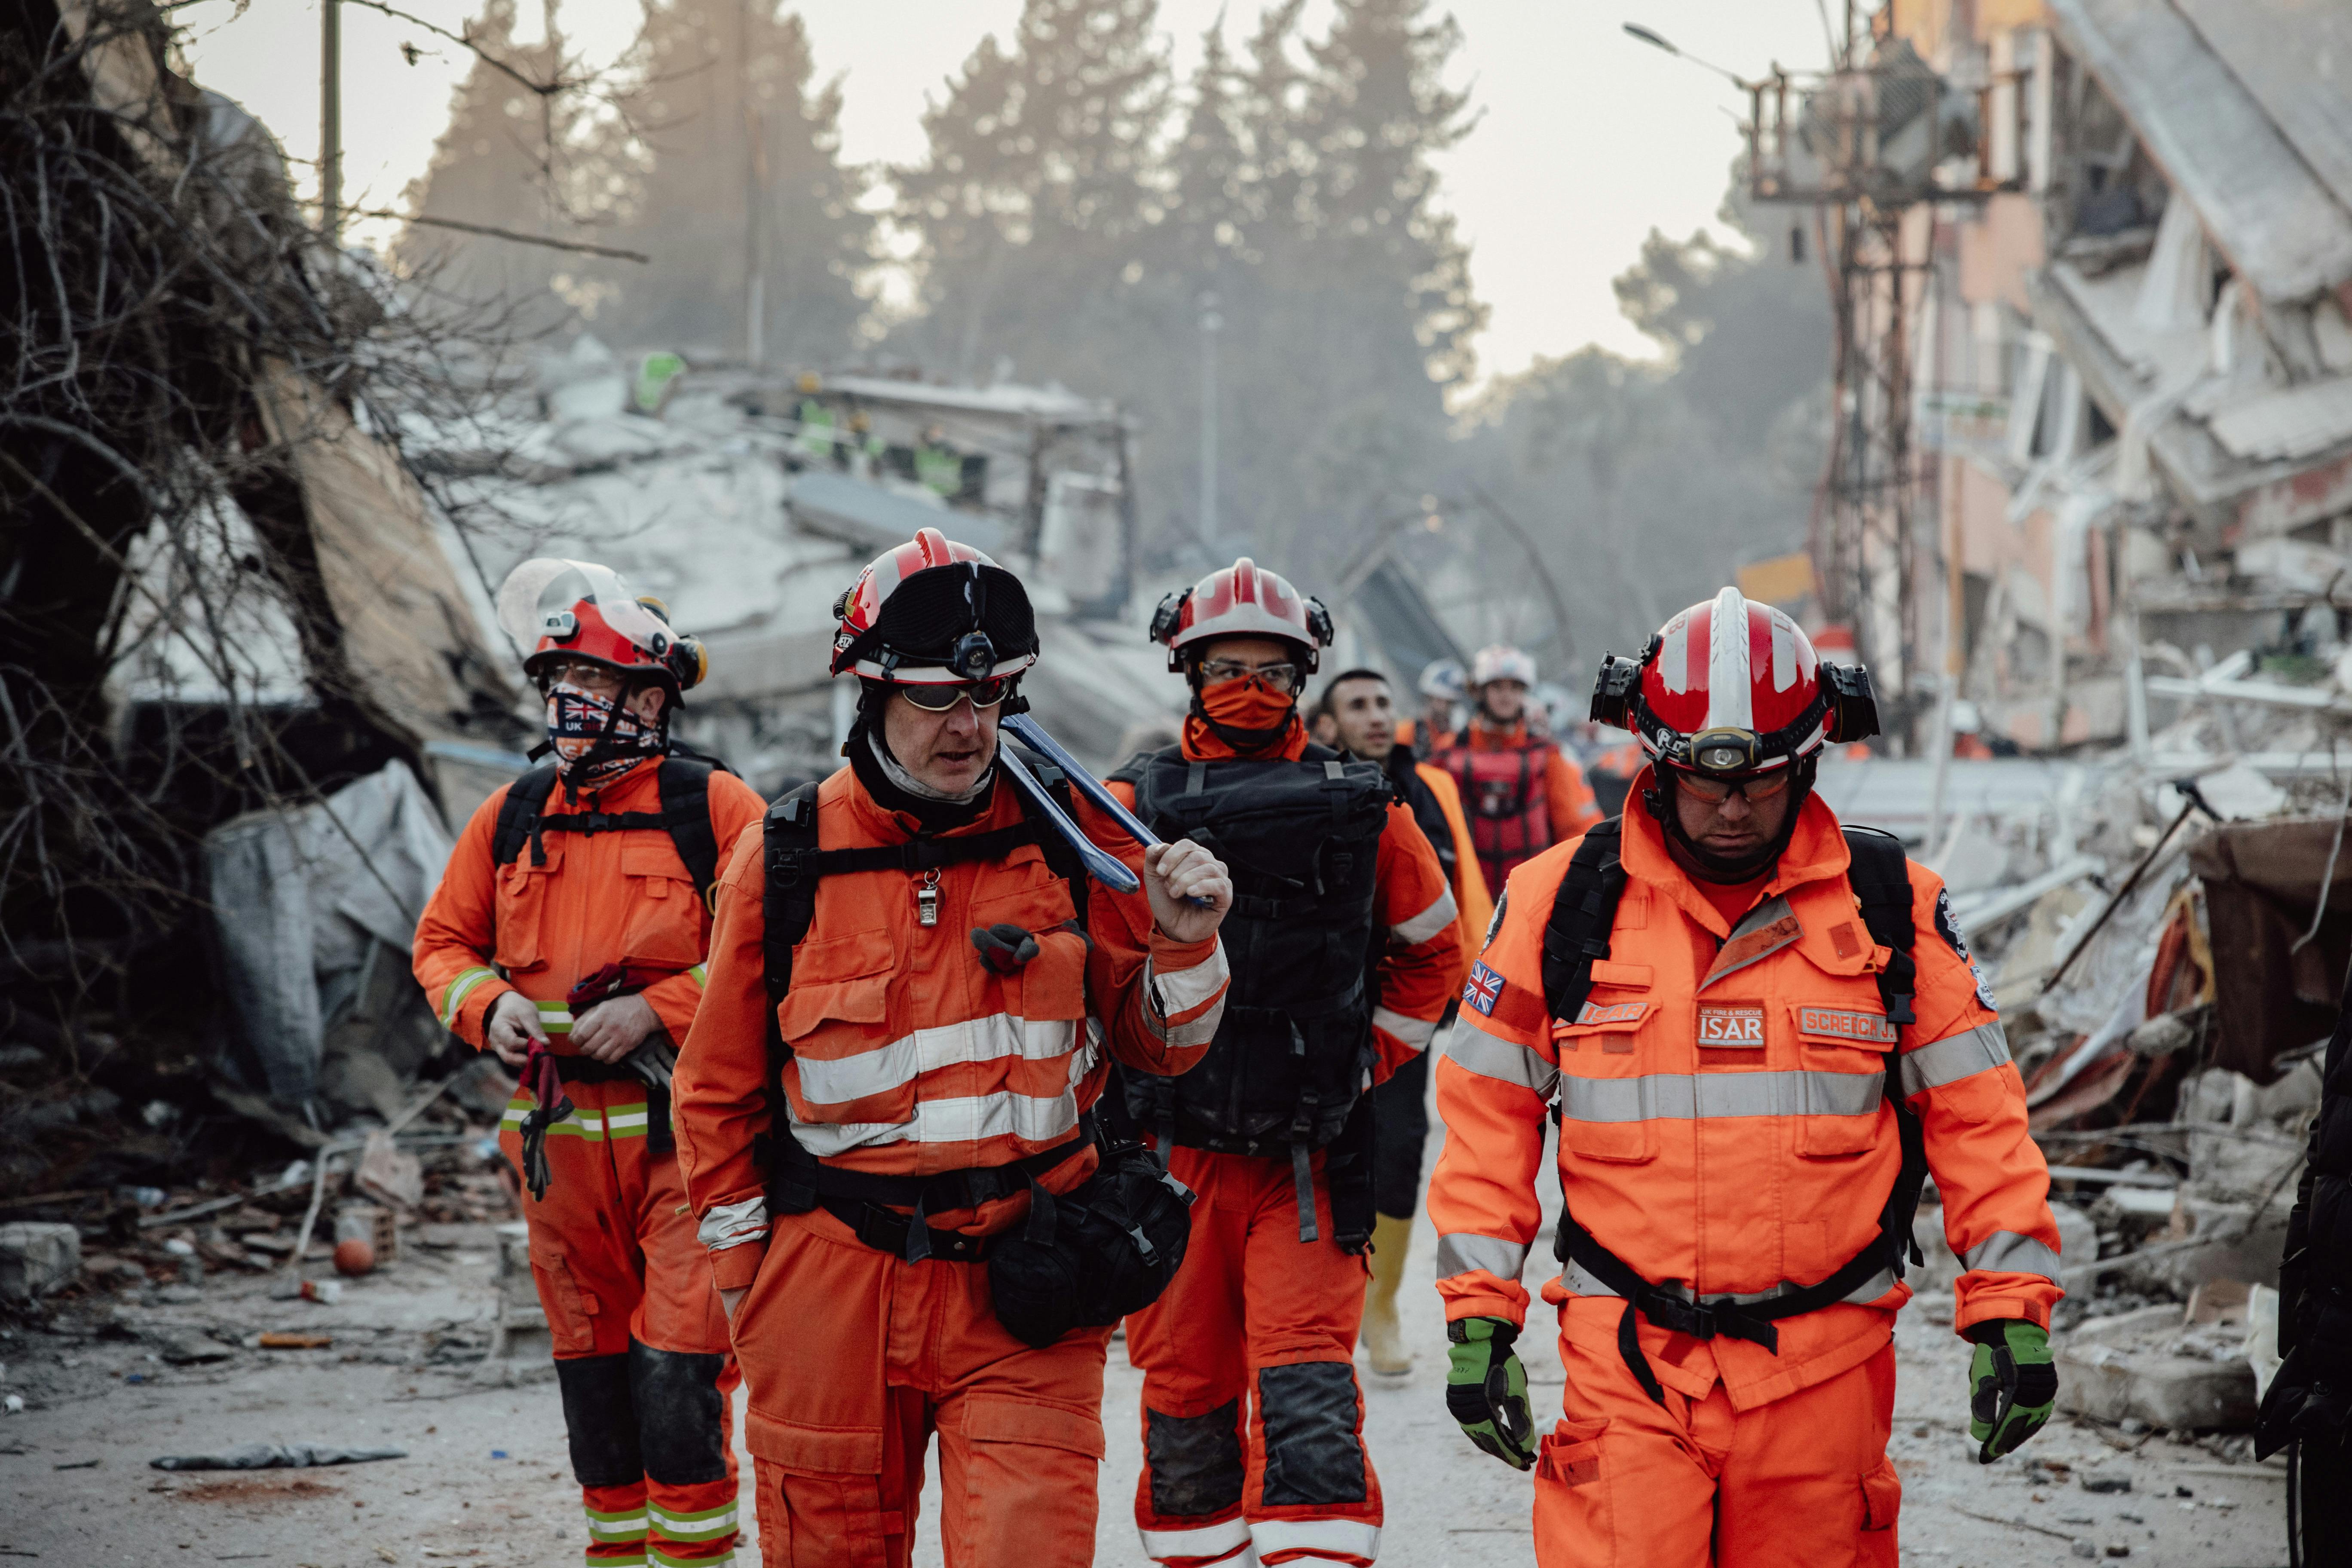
pixel 1383 1339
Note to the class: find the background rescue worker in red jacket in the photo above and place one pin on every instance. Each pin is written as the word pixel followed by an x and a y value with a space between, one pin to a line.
pixel 567 937
pixel 1345 950
pixel 1754 1028
pixel 1523 793
pixel 951 1013
pixel 1361 711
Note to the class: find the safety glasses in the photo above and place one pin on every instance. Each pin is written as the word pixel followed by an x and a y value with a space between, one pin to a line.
pixel 940 697
pixel 597 680
pixel 1283 678
pixel 1716 790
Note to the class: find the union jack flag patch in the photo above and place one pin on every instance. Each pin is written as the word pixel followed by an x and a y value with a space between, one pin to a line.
pixel 1483 989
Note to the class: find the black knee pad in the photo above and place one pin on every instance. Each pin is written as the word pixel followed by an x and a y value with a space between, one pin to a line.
pixel 601 1420
pixel 1312 1453
pixel 679 1412
pixel 1195 1461
pixel 1401 1107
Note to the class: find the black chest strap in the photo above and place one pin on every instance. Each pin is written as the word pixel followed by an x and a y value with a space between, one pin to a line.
pixel 1583 913
pixel 684 782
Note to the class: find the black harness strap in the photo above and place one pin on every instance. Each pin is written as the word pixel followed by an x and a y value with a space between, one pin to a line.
pixel 1583 913
pixel 685 814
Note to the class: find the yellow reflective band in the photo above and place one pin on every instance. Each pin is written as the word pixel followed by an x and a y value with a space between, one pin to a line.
pixel 613 1122
pixel 460 989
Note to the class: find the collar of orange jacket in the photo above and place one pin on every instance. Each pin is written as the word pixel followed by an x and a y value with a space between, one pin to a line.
pixel 888 826
pixel 1201 743
pixel 1816 852
pixel 1482 736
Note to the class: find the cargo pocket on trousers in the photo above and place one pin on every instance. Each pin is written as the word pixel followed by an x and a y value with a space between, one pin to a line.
pixel 828 1521
pixel 993 1419
pixel 1572 1499
pixel 571 1308
pixel 1882 1497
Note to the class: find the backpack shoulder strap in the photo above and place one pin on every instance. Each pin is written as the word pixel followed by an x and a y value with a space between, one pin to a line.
pixel 518 815
pixel 1582 912
pixel 1880 874
pixel 788 901
pixel 685 784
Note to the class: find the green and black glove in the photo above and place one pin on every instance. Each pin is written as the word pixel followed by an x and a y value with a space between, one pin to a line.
pixel 1487 1390
pixel 2013 1386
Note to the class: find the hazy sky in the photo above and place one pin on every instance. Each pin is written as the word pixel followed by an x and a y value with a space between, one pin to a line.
pixel 1589 139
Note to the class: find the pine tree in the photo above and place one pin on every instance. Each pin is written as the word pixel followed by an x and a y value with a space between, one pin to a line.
pixel 1039 187
pixel 741 157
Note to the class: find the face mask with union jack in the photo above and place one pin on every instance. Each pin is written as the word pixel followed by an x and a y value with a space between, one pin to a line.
pixel 594 736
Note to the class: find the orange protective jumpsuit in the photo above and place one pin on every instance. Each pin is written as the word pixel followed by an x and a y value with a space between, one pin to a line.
pixel 1252 1351
pixel 640 1344
pixel 1722 1124
pixel 1568 806
pixel 908 1058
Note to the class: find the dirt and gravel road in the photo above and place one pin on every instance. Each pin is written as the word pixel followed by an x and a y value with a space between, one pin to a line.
pixel 485 1477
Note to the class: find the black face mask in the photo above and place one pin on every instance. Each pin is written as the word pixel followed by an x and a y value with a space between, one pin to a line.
pixel 1728 870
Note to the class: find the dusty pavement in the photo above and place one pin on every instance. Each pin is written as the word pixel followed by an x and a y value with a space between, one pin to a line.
pixel 486 1479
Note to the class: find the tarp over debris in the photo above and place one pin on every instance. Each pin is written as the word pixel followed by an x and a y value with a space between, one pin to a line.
pixel 310 906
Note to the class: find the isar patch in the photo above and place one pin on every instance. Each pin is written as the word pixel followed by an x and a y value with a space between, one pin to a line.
pixel 1845 1024
pixel 1729 1026
pixel 1948 926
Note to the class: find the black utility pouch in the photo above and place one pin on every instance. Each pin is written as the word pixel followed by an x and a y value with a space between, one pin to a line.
pixel 1092 1255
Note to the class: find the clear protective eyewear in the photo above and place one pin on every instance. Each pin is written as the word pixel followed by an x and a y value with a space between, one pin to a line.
pixel 1283 678
pixel 591 675
pixel 1764 786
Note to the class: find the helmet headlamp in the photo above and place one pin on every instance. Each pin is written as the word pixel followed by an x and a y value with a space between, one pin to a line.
pixel 1723 751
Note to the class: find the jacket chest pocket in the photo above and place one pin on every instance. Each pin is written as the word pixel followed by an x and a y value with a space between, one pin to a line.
pixel 836 1021
pixel 520 904
pixel 1054 984
pixel 1606 1116
pixel 665 916
pixel 1842 1047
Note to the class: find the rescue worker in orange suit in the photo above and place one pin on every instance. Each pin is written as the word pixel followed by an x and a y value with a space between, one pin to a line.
pixel 1759 1033
pixel 1523 794
pixel 1362 712
pixel 1345 950
pixel 944 994
pixel 568 938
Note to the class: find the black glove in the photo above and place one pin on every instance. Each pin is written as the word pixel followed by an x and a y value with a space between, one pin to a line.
pixel 1004 948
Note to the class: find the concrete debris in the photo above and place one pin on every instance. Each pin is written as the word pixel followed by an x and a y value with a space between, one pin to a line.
pixel 276 1456
pixel 36 1259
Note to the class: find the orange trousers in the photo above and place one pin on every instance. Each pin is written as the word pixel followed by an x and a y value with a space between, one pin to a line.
pixel 641 1349
pixel 855 1358
pixel 1801 1483
pixel 1254 1319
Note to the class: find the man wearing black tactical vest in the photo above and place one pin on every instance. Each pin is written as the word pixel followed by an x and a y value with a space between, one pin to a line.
pixel 1344 951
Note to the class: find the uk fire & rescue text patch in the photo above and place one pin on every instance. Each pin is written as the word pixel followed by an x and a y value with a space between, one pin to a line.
pixel 1731 1028
pixel 1948 926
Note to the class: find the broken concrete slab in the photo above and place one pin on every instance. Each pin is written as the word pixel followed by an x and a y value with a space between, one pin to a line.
pixel 2125 1368
pixel 35 1258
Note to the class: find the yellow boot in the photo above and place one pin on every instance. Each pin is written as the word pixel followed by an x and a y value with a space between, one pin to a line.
pixel 1382 1338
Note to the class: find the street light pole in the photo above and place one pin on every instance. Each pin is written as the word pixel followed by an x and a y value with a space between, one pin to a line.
pixel 330 117
pixel 1211 324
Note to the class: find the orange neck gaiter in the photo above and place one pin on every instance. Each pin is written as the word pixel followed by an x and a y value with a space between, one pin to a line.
pixel 1244 715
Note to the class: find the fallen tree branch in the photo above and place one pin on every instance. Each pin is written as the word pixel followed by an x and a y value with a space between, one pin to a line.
pixel 581 245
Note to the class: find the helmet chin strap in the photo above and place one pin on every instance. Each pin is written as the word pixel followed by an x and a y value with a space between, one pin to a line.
pixel 1725 869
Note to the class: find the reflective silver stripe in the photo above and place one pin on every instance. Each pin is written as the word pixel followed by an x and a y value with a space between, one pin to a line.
pixel 1413 1032
pixel 1199 1032
pixel 1429 922
pixel 1182 990
pixel 962 1120
pixel 995 1038
pixel 1463 1251
pixel 732 1225
pixel 1954 1058
pixel 2010 1253
pixel 460 989
pixel 1342 1540
pixel 1573 1278
pixel 1684 1097
pixel 1491 1056
pixel 1209 1541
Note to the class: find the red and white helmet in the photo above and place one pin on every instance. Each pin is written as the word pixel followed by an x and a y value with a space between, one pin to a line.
pixel 934 612
pixel 1501 661
pixel 1239 601
pixel 578 609
pixel 1730 689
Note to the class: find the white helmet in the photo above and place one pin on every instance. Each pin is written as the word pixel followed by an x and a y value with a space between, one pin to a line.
pixel 1500 661
pixel 1443 680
